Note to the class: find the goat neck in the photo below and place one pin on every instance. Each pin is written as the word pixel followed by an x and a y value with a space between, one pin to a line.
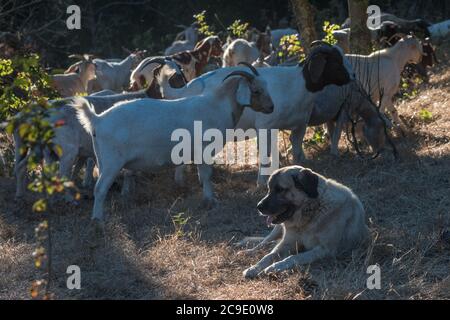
pixel 201 55
pixel 401 54
pixel 84 76
pixel 228 91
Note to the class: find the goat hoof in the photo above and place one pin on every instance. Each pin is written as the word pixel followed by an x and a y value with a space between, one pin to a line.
pixel 262 181
pixel 401 130
pixel 334 154
pixel 209 203
pixel 94 233
pixel 97 226
pixel 180 183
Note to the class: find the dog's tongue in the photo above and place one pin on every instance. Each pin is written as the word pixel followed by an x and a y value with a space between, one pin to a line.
pixel 269 220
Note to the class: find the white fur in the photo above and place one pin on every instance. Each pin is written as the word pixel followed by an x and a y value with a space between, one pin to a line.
pixel 240 50
pixel 136 135
pixel 381 71
pixel 73 83
pixel 293 102
pixel 115 75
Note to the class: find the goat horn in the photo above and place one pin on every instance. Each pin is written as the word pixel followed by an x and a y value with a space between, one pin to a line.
pixel 244 74
pixel 319 42
pixel 248 65
pixel 76 56
pixel 154 60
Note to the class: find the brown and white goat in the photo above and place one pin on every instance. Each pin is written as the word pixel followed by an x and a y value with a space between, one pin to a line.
pixel 192 62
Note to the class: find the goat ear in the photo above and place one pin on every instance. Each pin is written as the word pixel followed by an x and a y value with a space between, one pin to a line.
pixel 307 181
pixel 243 93
pixel 316 66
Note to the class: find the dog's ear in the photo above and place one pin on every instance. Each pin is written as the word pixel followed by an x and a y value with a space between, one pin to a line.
pixel 308 182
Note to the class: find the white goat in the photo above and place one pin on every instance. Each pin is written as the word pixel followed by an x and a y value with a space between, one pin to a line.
pixel 293 103
pixel 115 75
pixel 75 142
pixel 75 79
pixel 241 50
pixel 190 35
pixel 380 72
pixel 138 134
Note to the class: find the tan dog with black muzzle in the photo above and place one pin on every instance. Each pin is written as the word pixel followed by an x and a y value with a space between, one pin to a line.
pixel 315 218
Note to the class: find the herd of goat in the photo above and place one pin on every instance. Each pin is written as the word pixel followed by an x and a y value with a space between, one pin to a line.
pixel 239 84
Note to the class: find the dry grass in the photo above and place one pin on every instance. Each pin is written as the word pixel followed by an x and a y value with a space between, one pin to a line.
pixel 144 255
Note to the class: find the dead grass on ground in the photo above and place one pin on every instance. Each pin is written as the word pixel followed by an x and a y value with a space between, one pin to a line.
pixel 144 254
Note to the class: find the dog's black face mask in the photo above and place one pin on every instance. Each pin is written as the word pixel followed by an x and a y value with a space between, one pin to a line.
pixel 278 205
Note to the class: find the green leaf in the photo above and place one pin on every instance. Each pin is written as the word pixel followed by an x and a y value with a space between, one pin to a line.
pixel 24 129
pixel 40 205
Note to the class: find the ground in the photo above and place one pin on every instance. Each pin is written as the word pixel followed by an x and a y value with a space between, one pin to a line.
pixel 146 252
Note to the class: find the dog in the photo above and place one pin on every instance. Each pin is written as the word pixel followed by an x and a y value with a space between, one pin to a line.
pixel 315 218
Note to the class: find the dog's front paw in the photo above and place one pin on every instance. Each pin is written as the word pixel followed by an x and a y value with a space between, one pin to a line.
pixel 250 273
pixel 275 268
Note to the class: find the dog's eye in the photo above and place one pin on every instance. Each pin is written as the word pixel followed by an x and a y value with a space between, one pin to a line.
pixel 279 189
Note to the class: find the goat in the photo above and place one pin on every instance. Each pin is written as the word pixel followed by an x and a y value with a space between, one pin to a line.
pixel 334 105
pixel 190 35
pixel 387 35
pixel 324 66
pixel 439 31
pixel 149 143
pixel 192 62
pixel 380 72
pixel 114 75
pixel 241 50
pixel 75 142
pixel 75 79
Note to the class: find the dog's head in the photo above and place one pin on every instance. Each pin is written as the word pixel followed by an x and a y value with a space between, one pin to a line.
pixel 289 189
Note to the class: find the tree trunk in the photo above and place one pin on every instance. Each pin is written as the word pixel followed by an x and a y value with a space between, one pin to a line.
pixel 360 39
pixel 304 15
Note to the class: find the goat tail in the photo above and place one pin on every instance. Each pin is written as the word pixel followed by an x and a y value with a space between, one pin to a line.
pixel 85 114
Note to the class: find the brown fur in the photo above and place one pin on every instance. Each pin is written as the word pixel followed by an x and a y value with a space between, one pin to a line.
pixel 195 60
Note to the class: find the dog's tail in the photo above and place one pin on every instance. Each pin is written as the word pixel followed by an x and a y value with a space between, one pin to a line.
pixel 85 114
